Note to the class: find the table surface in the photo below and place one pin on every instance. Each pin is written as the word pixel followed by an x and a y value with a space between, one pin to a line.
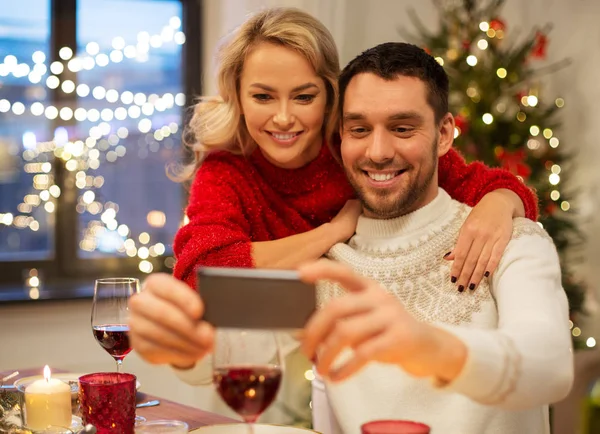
pixel 167 409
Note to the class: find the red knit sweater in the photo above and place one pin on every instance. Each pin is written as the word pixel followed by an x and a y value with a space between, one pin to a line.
pixel 235 201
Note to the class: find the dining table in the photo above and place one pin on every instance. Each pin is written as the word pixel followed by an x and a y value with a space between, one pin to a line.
pixel 167 409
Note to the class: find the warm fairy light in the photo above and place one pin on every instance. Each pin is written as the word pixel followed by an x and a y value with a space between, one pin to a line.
pixel 576 331
pixel 102 60
pixel 4 105
pixel 490 32
pixel 92 48
pixel 590 342
pixel 144 238
pixel 156 219
pixel 309 375
pixel 533 144
pixel 554 179
pixel 555 169
pixel 49 207
pixel 559 102
pixel 67 86
pixel 75 65
pixel 159 248
pixel 482 44
pixel 532 100
pixel 18 108
pixel 471 60
pixel 6 219
pixel 146 267
pixel 38 57
pixel 123 230
pixel 179 38
pixel 534 130
pixel 143 252
pixel 57 68
pixel 65 53
pixel 487 118
pixel 52 82
pixel 555 195
pixel 501 72
pixel 439 60
pixel 547 133
pixel 88 197
pixel 118 43
pixel 66 113
pixel 565 206
pixel 175 22
pixel 54 190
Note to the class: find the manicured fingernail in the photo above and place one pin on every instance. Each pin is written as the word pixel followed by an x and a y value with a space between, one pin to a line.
pixel 461 288
pixel 487 274
pixel 472 286
pixel 447 254
pixel 453 279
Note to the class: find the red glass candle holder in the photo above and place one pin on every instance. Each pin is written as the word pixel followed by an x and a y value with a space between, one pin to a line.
pixel 394 427
pixel 107 401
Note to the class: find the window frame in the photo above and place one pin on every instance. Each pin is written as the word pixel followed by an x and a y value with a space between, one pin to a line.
pixel 64 264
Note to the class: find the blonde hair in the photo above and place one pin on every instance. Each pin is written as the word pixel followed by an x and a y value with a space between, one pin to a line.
pixel 216 123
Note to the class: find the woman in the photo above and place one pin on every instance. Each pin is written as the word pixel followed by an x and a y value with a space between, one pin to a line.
pixel 268 191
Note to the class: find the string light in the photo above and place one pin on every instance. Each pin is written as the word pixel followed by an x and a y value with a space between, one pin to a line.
pixel 471 60
pixel 82 154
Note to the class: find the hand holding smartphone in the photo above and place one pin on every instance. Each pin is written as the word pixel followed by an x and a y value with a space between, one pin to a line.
pixel 255 299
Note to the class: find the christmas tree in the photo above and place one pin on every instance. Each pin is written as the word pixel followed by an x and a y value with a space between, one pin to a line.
pixel 503 117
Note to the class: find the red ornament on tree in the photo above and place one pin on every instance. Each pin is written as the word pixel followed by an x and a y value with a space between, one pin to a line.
pixel 551 208
pixel 538 51
pixel 462 123
pixel 497 24
pixel 514 162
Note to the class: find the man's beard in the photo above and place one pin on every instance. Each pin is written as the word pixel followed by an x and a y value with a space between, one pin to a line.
pixel 405 199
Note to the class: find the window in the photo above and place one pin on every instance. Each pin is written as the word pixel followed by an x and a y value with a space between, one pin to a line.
pixel 92 96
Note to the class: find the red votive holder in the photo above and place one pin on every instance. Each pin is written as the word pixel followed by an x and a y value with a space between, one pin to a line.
pixel 394 427
pixel 107 401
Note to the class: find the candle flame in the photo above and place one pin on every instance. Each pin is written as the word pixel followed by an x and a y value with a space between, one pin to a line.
pixel 47 373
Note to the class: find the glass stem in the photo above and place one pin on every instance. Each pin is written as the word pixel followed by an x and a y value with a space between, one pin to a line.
pixel 119 364
pixel 251 428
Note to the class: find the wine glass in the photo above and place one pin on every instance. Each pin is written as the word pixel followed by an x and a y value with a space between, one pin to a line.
pixel 247 371
pixel 110 315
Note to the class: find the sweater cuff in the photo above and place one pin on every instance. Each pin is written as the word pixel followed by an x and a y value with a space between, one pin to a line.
pixel 492 367
pixel 199 375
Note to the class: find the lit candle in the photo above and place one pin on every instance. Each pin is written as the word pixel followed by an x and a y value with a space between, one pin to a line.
pixel 47 402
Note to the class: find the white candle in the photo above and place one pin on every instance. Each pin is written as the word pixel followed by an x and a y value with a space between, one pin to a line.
pixel 47 402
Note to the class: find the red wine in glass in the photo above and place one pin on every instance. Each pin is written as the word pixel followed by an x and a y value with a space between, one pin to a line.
pixel 110 315
pixel 248 389
pixel 247 371
pixel 114 339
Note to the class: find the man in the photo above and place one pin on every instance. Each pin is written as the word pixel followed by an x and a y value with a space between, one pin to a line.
pixel 487 361
pixel 456 361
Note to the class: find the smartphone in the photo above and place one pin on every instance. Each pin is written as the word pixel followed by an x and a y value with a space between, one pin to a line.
pixel 255 299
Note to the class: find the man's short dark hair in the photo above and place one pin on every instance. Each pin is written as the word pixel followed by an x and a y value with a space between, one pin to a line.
pixel 393 59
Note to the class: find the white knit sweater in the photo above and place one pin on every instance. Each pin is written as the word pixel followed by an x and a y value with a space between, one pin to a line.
pixel 515 326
